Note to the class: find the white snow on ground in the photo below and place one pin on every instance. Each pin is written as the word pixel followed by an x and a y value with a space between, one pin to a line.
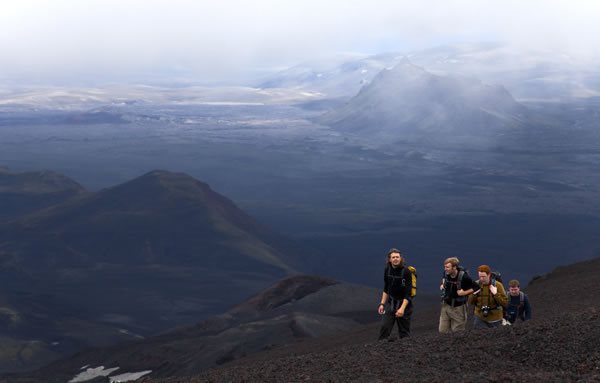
pixel 84 367
pixel 127 332
pixel 92 373
pixel 129 376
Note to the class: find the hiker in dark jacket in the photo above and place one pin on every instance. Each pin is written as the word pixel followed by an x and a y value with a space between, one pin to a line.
pixel 518 303
pixel 456 286
pixel 396 303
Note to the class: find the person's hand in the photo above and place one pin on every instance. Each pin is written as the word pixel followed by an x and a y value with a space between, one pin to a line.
pixel 493 289
pixel 381 309
pixel 400 313
pixel 442 286
pixel 461 293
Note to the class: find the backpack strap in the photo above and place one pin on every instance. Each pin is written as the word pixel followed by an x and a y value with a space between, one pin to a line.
pixel 461 274
pixel 403 276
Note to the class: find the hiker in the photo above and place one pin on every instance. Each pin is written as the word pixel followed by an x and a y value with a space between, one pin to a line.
pixel 396 302
pixel 518 303
pixel 489 300
pixel 456 287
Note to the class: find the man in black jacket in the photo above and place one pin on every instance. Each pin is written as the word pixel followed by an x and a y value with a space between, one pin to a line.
pixel 396 303
pixel 456 287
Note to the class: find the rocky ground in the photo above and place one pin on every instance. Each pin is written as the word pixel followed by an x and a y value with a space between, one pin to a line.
pixel 559 345
pixel 560 349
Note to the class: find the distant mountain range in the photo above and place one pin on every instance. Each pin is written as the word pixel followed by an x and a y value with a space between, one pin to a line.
pixel 153 253
pixel 341 80
pixel 533 75
pixel 409 104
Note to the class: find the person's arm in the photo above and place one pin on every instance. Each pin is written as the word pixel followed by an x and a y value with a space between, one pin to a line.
pixel 476 290
pixel 500 295
pixel 527 308
pixel 473 287
pixel 385 295
pixel 400 312
pixel 384 299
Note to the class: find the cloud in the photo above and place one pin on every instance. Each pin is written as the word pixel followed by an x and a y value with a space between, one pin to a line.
pixel 221 39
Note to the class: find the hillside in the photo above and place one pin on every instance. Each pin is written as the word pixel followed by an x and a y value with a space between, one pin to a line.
pixel 558 345
pixel 26 192
pixel 159 251
pixel 293 309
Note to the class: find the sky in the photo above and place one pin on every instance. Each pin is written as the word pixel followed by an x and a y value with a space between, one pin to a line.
pixel 116 40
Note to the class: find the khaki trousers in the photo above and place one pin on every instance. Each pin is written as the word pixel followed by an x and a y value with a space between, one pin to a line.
pixel 453 319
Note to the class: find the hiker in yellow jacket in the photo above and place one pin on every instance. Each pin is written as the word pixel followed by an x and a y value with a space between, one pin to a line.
pixel 489 301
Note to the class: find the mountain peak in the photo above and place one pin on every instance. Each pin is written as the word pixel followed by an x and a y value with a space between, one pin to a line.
pixel 405 68
pixel 159 186
pixel 408 103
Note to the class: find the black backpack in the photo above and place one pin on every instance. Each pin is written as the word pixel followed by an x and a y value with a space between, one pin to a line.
pixel 495 277
pixel 461 274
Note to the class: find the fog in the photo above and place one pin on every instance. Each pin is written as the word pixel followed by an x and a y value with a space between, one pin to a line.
pixel 237 40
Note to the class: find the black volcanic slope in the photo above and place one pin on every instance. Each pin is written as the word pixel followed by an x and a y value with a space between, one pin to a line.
pixel 159 218
pixel 160 251
pixel 558 345
pixel 407 103
pixel 22 193
pixel 297 307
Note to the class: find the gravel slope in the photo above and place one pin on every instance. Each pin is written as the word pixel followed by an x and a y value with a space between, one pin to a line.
pixel 559 345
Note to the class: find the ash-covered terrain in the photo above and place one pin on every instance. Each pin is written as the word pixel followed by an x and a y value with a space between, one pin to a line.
pixel 558 345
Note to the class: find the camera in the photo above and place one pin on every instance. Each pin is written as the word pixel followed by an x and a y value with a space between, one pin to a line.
pixel 485 310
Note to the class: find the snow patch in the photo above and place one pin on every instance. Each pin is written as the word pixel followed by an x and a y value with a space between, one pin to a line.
pixel 127 332
pixel 92 373
pixel 129 376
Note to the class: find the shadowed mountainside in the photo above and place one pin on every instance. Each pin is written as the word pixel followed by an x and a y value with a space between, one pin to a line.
pixel 153 253
pixel 161 217
pixel 22 193
pixel 295 308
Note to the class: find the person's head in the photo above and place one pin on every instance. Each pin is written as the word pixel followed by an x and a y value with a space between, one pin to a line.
pixel 451 266
pixel 394 258
pixel 484 272
pixel 514 287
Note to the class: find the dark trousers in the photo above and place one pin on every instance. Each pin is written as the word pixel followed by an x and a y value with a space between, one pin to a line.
pixel 478 323
pixel 387 324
